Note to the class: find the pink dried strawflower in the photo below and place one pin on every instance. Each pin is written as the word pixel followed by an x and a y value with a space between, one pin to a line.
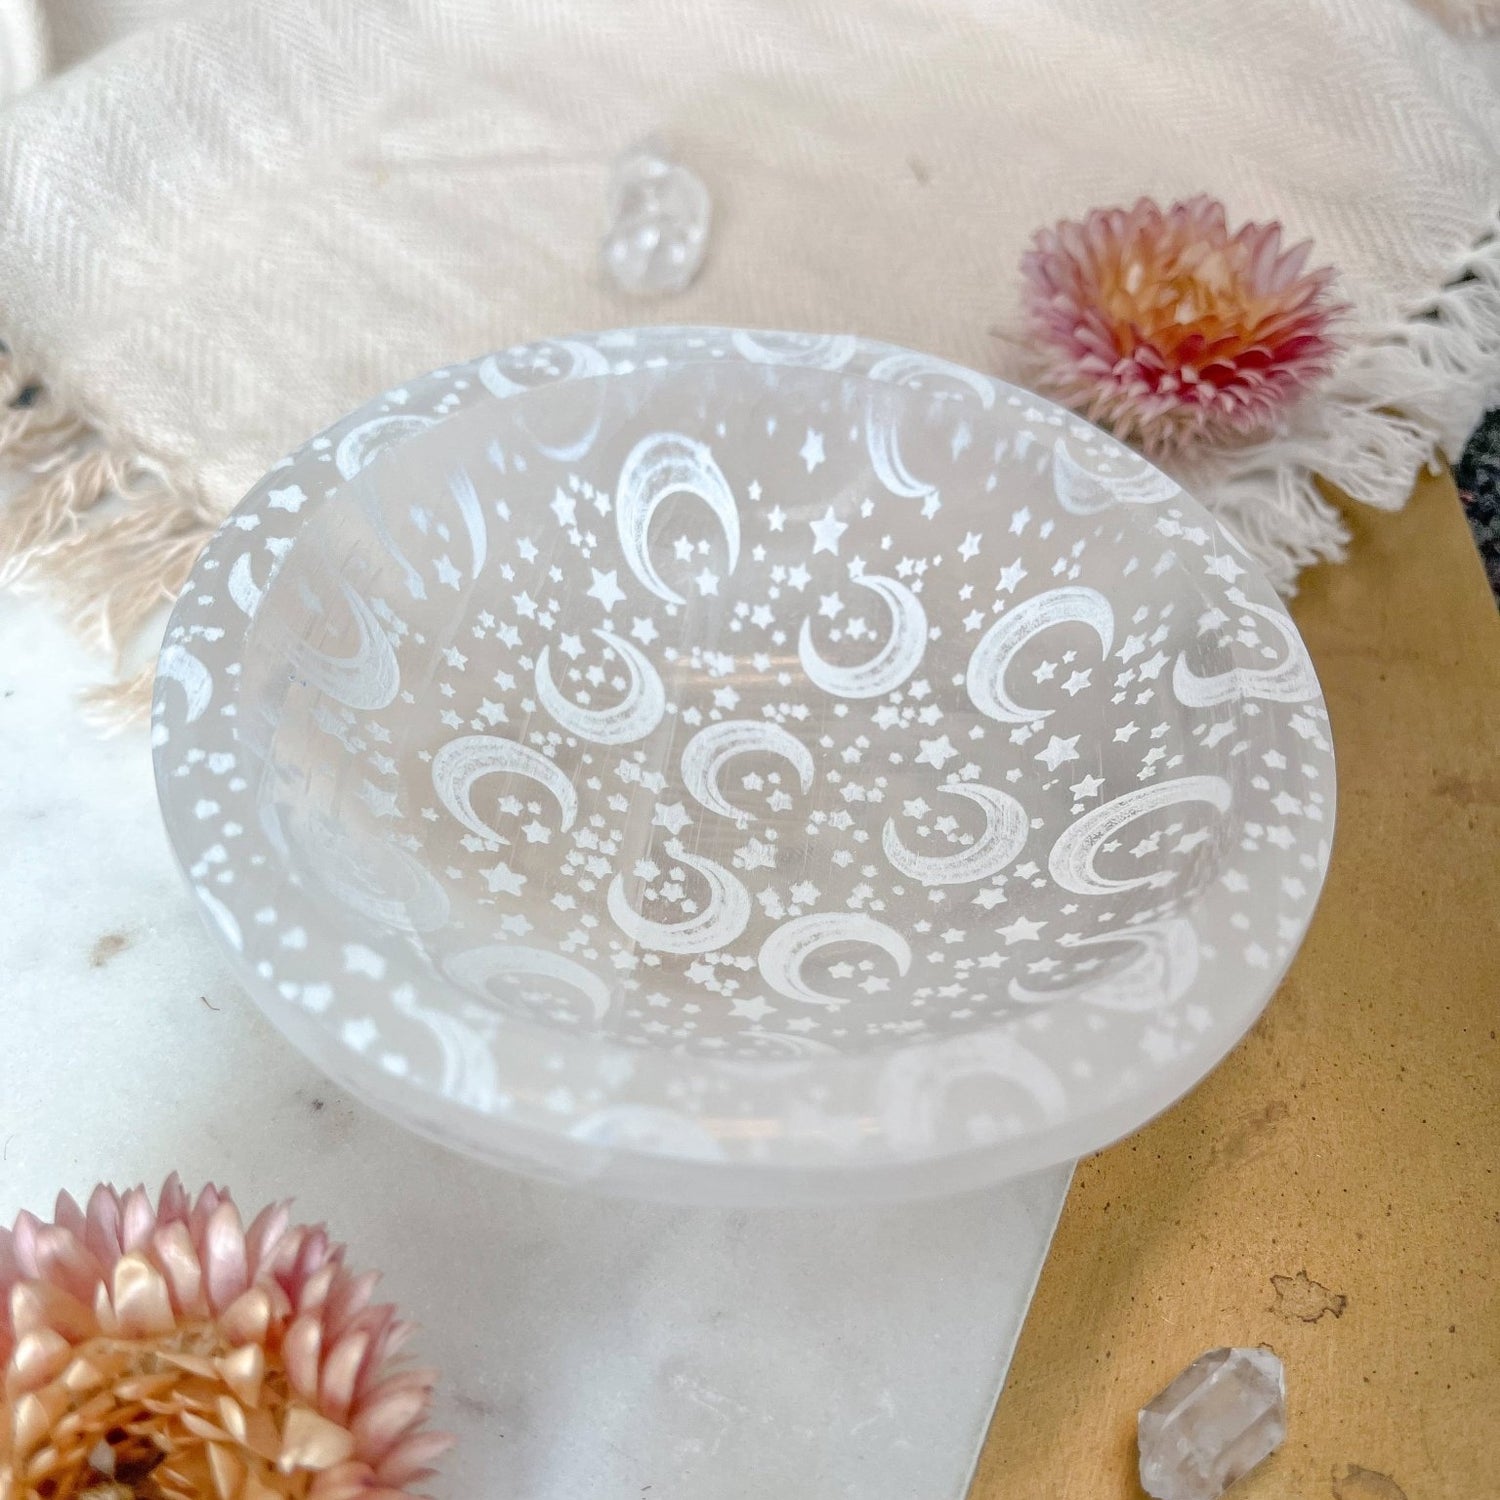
pixel 168 1353
pixel 1169 329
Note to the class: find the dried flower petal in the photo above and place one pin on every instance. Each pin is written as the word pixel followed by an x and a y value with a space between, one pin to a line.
pixel 34 1305
pixel 408 1461
pixel 23 1238
pixel 264 1235
pixel 313 1442
pixel 63 1260
pixel 66 1214
pixel 302 1353
pixel 173 1250
pixel 37 1358
pixel 244 1371
pixel 227 1469
pixel 248 1318
pixel 1170 329
pixel 225 1260
pixel 136 1220
pixel 168 1352
pixel 141 1301
pixel 336 1384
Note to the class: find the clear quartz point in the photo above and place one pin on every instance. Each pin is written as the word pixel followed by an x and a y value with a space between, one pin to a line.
pixel 1213 1424
pixel 659 214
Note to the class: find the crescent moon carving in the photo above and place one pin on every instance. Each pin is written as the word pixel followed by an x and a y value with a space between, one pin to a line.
pixel 514 961
pixel 919 370
pixel 704 757
pixel 831 351
pixel 883 418
pixel 469 1076
pixel 1071 862
pixel 179 665
pixel 466 498
pixel 891 665
pixel 659 466
pixel 384 884
pixel 461 762
pixel 633 718
pixel 1293 681
pixel 368 679
pixel 417 901
pixel 581 362
pixel 1006 829
pixel 997 648
pixel 915 1084
pixel 723 918
pixel 362 445
pixel 244 590
pixel 885 458
pixel 783 954
pixel 1084 492
pixel 1159 973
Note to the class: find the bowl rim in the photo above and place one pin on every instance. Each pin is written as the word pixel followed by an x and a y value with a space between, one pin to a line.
pixel 198 671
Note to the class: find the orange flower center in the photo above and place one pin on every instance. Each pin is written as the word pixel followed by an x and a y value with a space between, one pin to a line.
pixel 1195 304
pixel 183 1418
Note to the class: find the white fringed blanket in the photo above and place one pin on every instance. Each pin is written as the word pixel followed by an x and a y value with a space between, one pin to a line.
pixel 239 221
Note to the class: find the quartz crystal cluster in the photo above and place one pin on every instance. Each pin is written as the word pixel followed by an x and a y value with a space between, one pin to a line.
pixel 659 215
pixel 1213 1424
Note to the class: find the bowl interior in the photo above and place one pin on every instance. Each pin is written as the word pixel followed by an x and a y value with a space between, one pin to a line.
pixel 643 724
pixel 749 711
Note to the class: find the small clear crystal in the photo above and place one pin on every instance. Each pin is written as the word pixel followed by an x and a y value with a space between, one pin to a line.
pixel 1213 1424
pixel 659 215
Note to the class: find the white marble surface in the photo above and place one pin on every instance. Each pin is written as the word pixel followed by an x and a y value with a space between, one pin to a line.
pixel 590 1347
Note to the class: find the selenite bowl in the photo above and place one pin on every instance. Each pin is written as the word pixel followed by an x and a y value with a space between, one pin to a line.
pixel 743 767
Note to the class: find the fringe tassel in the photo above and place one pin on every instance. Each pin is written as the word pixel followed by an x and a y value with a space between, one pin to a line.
pixel 116 706
pixel 97 526
pixel 110 578
pixel 1406 392
pixel 37 520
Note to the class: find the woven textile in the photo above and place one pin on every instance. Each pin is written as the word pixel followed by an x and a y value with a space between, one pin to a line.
pixel 237 221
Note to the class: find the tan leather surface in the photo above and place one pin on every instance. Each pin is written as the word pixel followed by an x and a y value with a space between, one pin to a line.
pixel 1333 1190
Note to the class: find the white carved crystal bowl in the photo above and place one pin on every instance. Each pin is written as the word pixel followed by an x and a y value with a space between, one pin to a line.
pixel 743 767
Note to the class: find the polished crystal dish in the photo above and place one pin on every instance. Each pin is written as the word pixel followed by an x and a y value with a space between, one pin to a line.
pixel 743 767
